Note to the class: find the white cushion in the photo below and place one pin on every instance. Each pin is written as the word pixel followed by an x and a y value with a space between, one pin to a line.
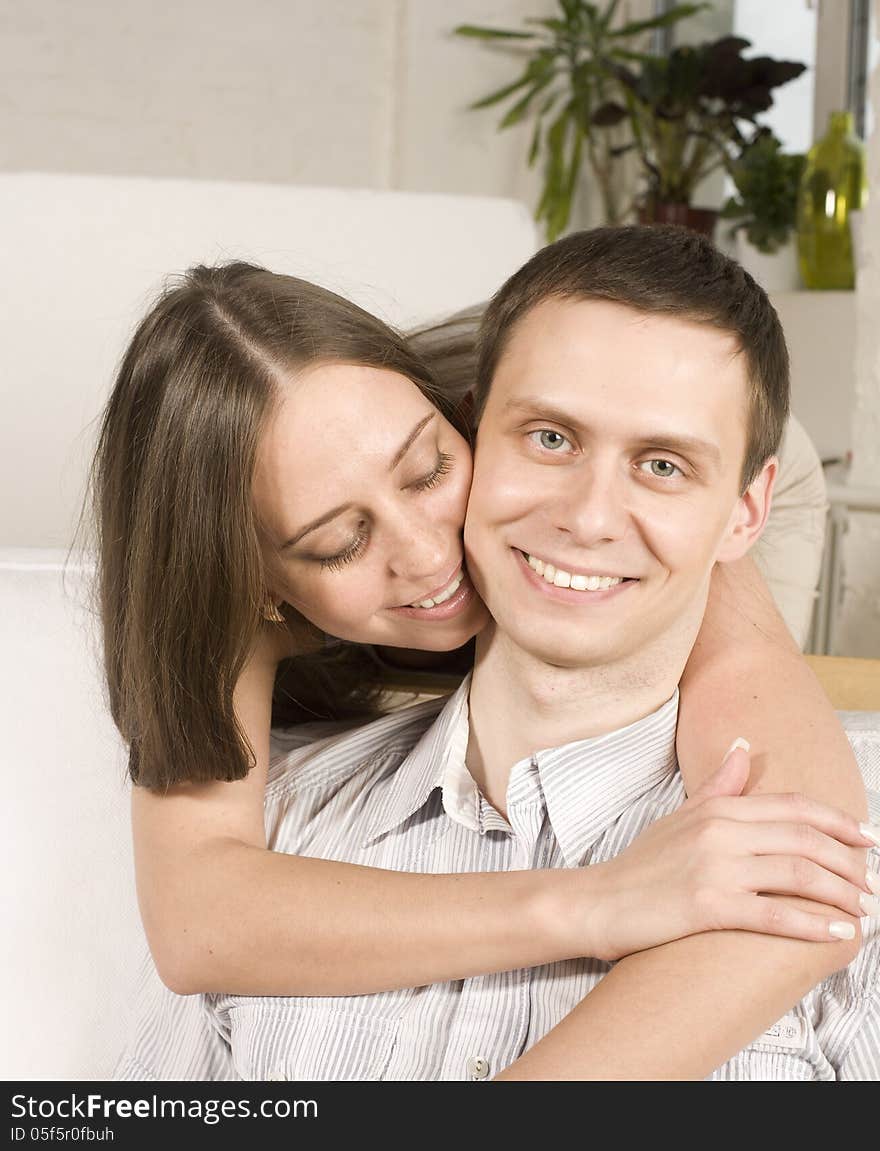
pixel 84 255
pixel 71 934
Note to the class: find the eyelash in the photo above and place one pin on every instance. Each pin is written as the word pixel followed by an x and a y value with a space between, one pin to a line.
pixel 334 563
pixel 535 435
pixel 662 460
pixel 444 465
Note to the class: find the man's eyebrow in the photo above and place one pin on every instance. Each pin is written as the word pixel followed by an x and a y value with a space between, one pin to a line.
pixel 680 443
pixel 334 512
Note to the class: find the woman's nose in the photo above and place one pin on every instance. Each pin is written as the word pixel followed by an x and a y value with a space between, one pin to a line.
pixel 420 549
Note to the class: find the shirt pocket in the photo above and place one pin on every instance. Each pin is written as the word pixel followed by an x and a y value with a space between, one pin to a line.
pixel 304 1040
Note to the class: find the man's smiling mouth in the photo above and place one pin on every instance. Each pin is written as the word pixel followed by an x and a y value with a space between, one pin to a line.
pixel 577 581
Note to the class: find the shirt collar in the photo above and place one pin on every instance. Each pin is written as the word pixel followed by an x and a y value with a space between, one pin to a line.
pixel 589 784
pixel 586 785
pixel 427 765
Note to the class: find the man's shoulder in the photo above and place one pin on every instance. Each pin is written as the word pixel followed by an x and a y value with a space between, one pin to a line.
pixel 314 755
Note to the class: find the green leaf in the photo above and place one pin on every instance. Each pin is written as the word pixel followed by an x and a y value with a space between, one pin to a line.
pixel 521 107
pixel 574 168
pixel 502 93
pixel 608 16
pixel 626 54
pixel 732 209
pixel 547 22
pixel 665 20
pixel 535 145
pixel 555 202
pixel 480 33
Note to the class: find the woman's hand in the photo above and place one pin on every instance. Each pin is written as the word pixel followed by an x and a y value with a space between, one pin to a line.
pixel 718 861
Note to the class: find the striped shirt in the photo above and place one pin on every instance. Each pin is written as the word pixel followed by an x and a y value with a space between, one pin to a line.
pixel 396 794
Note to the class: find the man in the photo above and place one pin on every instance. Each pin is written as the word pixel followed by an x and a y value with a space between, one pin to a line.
pixel 631 394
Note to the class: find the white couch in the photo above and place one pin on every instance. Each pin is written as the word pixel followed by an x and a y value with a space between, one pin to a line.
pixel 82 256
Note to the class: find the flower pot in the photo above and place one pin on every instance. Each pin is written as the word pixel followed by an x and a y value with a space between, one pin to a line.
pixel 775 273
pixel 700 220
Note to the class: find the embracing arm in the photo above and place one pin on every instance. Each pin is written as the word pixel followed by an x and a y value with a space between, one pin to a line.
pixel 681 1010
pixel 223 913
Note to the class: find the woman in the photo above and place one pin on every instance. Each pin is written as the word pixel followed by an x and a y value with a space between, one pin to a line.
pixel 197 481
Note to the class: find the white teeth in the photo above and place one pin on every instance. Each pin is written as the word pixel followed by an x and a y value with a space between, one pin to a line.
pixel 560 578
pixel 449 590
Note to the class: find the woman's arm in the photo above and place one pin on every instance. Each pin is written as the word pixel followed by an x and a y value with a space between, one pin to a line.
pixel 681 1010
pixel 224 913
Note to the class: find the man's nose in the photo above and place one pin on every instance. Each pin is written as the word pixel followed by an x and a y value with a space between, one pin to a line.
pixel 592 508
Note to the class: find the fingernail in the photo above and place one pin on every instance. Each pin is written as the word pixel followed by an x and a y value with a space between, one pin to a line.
pixel 872 882
pixel 746 746
pixel 870 831
pixel 870 904
pixel 842 930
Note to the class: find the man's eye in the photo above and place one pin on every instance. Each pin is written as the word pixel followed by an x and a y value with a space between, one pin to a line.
pixel 549 440
pixel 662 469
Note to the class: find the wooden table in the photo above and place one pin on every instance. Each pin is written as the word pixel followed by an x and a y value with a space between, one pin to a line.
pixel 851 684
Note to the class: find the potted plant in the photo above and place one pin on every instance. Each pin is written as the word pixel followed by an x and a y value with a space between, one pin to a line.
pixel 594 96
pixel 764 209
pixel 567 88
pixel 691 113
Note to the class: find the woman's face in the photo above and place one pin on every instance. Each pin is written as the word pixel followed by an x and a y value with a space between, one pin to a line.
pixel 360 488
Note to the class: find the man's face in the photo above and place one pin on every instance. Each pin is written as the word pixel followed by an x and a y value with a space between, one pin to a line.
pixel 606 480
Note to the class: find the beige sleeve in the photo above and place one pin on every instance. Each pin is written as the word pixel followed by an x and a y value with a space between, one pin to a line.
pixel 789 554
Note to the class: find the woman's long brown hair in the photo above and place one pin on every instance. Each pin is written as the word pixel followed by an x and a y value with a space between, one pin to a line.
pixel 181 578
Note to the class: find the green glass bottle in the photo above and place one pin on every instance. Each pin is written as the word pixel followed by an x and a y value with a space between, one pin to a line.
pixel 833 187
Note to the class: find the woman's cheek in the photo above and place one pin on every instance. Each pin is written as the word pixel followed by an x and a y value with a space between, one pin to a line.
pixel 461 490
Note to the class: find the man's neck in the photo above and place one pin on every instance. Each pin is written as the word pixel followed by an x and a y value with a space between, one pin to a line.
pixel 519 704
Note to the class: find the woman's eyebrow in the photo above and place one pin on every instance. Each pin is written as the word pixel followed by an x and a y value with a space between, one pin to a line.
pixel 334 512
pixel 318 523
pixel 410 440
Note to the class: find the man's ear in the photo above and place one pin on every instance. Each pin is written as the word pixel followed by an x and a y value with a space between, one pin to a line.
pixel 750 514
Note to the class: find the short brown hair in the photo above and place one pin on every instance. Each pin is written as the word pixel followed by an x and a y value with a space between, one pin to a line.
pixel 181 579
pixel 666 270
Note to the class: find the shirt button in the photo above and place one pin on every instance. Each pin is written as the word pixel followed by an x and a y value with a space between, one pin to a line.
pixel 478 1068
pixel 276 1077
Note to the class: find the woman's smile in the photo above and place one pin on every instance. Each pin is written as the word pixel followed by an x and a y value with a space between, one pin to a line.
pixel 362 486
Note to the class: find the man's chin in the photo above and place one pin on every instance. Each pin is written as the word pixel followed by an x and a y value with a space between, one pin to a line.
pixel 559 651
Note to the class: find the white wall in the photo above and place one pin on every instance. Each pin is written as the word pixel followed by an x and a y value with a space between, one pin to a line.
pixel 859 631
pixel 358 93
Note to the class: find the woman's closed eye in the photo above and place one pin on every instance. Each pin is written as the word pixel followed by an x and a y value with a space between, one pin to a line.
pixel 358 545
pixel 443 466
pixel 351 552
